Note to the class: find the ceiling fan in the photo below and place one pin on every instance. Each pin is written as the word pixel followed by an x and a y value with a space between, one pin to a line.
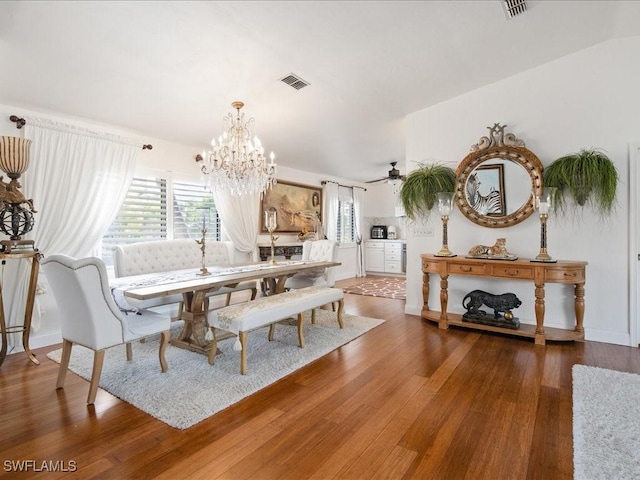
pixel 393 177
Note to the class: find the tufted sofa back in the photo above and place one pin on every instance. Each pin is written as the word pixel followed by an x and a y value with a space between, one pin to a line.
pixel 167 255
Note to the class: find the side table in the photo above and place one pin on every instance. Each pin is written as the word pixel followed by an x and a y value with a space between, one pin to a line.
pixel 25 328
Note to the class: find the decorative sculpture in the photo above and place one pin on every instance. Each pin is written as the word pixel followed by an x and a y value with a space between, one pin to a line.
pixel 503 303
pixel 498 251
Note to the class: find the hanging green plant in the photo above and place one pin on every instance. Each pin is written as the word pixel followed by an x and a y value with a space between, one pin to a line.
pixel 588 177
pixel 418 192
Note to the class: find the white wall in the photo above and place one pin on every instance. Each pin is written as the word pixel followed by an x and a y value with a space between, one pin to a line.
pixel 165 156
pixel 588 99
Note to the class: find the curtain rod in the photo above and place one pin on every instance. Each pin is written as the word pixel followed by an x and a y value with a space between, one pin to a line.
pixel 21 122
pixel 340 185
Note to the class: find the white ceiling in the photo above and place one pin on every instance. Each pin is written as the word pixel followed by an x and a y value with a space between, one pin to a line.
pixel 170 70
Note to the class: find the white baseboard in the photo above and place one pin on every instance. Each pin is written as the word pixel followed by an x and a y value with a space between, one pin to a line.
pixel 623 338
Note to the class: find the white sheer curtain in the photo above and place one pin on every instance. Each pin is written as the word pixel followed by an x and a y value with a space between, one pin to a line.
pixel 77 180
pixel 358 205
pixel 239 218
pixel 330 208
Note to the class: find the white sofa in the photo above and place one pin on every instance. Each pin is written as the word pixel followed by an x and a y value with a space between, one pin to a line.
pixel 166 255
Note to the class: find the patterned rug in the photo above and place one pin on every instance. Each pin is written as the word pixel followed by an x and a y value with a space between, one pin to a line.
pixel 387 287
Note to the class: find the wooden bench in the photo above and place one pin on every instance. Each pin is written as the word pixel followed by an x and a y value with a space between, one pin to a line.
pixel 243 317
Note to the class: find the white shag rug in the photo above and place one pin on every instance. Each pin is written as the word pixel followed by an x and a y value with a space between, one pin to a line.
pixel 192 390
pixel 606 424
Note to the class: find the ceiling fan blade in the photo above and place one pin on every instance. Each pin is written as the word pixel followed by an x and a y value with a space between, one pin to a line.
pixel 379 180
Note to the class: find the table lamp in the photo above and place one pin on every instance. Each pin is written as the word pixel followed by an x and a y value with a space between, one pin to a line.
pixel 544 203
pixel 15 219
pixel 445 207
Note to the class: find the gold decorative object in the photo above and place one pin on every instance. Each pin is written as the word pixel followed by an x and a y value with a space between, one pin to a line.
pixel 236 163
pixel 544 203
pixel 498 251
pixel 15 220
pixel 203 247
pixel 445 207
pixel 270 223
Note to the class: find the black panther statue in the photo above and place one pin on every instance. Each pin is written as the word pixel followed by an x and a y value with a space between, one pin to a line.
pixel 499 303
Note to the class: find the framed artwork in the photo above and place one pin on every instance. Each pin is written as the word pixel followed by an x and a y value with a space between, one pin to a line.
pixel 485 190
pixel 297 207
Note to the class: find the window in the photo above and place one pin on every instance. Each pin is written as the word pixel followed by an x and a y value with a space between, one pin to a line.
pixel 192 206
pixel 156 209
pixel 346 217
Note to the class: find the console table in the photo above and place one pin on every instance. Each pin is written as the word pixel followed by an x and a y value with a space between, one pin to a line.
pixel 538 273
pixel 286 250
pixel 25 328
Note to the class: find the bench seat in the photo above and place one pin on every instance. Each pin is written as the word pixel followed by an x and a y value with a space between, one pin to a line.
pixel 158 256
pixel 241 318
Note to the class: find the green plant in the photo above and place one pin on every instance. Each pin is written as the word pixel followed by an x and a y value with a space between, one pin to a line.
pixel 418 192
pixel 588 177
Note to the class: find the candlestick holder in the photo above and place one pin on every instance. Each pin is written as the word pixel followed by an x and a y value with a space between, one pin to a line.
pixel 270 222
pixel 445 207
pixel 203 247
pixel 544 203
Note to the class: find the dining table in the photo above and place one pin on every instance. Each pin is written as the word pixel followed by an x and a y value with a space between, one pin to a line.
pixel 194 287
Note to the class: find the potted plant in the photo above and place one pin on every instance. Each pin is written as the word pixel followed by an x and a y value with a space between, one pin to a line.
pixel 420 188
pixel 588 178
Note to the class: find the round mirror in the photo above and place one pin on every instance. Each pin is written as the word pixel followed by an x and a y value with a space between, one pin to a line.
pixel 494 182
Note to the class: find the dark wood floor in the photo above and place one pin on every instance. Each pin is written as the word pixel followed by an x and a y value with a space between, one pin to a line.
pixel 405 400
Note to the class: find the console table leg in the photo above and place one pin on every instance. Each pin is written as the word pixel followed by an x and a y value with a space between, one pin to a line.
pixel 579 306
pixel 444 299
pixel 425 291
pixel 31 298
pixel 3 330
pixel 539 307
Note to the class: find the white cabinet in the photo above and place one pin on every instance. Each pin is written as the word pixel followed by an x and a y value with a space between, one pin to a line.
pixel 393 257
pixel 374 256
pixel 383 256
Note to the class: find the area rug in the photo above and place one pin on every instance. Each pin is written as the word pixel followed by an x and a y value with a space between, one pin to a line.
pixel 192 390
pixel 606 424
pixel 387 287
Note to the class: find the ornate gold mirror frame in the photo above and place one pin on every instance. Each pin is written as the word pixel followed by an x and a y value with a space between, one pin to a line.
pixel 496 151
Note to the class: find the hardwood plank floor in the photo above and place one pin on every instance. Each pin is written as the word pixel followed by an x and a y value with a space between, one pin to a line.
pixel 404 401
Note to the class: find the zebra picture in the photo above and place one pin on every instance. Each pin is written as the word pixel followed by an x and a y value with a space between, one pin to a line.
pixel 485 190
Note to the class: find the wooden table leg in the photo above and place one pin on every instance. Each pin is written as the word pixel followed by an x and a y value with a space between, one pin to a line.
pixel 539 307
pixel 425 292
pixel 444 300
pixel 579 308
pixel 276 284
pixel 3 329
pixel 31 298
pixel 192 336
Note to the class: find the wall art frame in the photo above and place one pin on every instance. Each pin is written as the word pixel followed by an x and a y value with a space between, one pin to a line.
pixel 297 207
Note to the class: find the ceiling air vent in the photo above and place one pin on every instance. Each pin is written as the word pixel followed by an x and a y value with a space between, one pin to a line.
pixel 514 7
pixel 294 81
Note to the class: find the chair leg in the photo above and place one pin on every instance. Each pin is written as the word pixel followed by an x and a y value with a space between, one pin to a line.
pixel 313 315
pixel 228 302
pixel 164 341
pixel 243 354
pixel 272 331
pixel 333 306
pixel 300 334
pixel 98 360
pixel 64 363
pixel 340 309
pixel 254 292
pixel 179 314
pixel 129 351
pixel 214 348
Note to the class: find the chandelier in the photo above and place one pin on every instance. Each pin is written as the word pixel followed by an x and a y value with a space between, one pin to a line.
pixel 236 163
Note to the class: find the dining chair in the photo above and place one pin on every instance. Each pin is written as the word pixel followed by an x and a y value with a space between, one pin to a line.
pixel 90 317
pixel 319 251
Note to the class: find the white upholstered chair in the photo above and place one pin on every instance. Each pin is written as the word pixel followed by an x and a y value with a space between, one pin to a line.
pixel 316 250
pixel 90 317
